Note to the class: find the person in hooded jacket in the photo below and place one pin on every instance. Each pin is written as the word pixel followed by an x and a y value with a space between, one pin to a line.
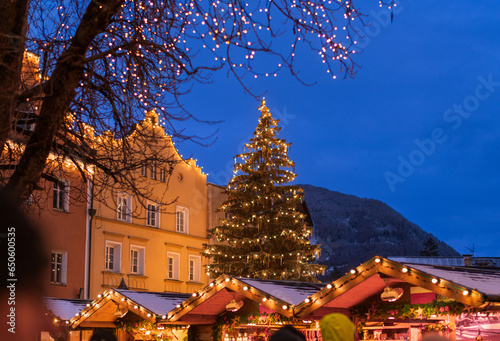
pixel 337 327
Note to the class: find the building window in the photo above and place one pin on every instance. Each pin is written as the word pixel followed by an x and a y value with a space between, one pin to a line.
pixel 152 169
pixel 144 167
pixel 194 268
pixel 153 218
pixel 162 174
pixel 137 260
pixel 124 207
pixel 113 256
pixel 181 219
pixel 60 196
pixel 58 267
pixel 173 265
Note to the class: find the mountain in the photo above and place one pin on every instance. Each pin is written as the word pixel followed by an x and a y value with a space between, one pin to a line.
pixel 352 230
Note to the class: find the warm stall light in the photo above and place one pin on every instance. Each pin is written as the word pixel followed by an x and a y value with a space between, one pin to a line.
pixel 264 299
pixel 245 288
pixel 404 270
pixel 284 307
pixel 391 294
pixel 234 305
pixel 307 300
pixel 435 280
pixel 178 306
pixel 329 286
pixel 465 293
pixel 164 317
pixel 353 271
pixel 377 260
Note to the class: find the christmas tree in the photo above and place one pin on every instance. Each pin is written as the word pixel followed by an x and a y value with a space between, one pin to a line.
pixel 264 234
pixel 430 248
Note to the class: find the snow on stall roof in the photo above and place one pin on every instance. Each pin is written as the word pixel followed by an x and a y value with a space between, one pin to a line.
pixel 288 291
pixel 159 303
pixel 64 308
pixel 484 280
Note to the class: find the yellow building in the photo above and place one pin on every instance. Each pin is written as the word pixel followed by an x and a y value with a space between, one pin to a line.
pixel 151 242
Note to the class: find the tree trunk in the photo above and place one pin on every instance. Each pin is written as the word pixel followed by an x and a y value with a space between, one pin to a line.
pixel 63 82
pixel 13 25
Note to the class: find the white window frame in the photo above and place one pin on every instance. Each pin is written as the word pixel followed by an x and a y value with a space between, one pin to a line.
pixel 153 216
pixel 60 193
pixel 127 215
pixel 173 265
pixel 194 269
pixel 63 267
pixel 117 256
pixel 181 226
pixel 140 251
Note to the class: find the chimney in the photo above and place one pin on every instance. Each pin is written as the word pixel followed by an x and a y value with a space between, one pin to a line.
pixel 467 260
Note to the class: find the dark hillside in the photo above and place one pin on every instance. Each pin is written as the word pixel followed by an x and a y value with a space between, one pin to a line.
pixel 351 230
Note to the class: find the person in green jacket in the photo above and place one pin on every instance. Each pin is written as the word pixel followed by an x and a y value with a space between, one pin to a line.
pixel 337 327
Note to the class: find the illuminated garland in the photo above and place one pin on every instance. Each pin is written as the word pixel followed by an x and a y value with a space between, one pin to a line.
pixel 412 311
pixel 233 322
pixel 439 327
pixel 158 333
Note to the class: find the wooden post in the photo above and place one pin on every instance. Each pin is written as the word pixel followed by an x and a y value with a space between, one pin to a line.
pixel 414 333
pixel 452 336
pixel 122 335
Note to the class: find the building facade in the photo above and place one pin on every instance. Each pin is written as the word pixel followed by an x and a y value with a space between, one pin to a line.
pixel 152 240
pixel 148 236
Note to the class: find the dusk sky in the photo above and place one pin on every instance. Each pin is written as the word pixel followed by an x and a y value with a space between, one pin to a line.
pixel 418 128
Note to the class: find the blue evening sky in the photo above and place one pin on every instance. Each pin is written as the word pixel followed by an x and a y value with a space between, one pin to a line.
pixel 430 78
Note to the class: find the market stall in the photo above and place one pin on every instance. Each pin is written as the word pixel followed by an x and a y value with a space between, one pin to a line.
pixel 389 300
pixel 243 309
pixel 134 315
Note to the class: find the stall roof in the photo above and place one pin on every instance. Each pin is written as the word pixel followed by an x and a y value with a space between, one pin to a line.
pixel 485 281
pixel 108 307
pixel 63 308
pixel 159 303
pixel 278 296
pixel 288 291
